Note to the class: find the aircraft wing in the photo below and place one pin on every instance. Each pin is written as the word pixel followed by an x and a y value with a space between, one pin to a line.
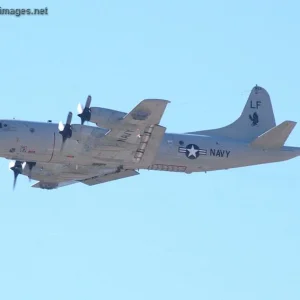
pixel 109 177
pixel 147 112
pixel 139 133
pixel 53 176
pixel 52 185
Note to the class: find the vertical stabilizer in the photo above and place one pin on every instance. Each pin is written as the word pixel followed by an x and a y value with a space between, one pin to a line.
pixel 257 118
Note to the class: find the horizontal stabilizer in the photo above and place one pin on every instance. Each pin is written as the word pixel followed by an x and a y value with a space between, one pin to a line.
pixel 275 137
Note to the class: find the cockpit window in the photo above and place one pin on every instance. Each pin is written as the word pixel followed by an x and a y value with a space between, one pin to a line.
pixel 3 125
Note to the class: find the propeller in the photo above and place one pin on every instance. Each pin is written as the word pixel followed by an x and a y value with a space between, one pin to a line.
pixel 65 130
pixel 85 113
pixel 30 167
pixel 17 168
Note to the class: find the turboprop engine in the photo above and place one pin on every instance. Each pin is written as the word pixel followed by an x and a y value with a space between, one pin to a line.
pixel 77 132
pixel 103 117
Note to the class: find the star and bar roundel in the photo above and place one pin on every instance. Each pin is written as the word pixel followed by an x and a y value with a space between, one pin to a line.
pixel 192 151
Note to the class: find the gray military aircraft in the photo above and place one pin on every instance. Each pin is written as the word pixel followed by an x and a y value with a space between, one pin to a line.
pixel 122 143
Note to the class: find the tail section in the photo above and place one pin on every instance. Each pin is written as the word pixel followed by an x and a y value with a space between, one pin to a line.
pixel 256 118
pixel 275 137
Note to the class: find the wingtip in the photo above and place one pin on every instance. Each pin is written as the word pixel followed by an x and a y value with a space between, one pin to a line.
pixel 289 122
pixel 154 99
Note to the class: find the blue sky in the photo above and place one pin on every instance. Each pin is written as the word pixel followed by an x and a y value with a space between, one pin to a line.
pixel 222 235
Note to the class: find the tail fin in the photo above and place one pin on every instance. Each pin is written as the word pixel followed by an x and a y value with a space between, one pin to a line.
pixel 275 137
pixel 256 118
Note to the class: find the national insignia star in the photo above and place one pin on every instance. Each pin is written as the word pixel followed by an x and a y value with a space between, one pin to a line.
pixel 192 151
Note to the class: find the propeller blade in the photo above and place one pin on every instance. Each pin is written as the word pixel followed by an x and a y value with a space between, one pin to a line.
pixel 85 113
pixel 79 108
pixel 88 101
pixel 69 118
pixel 62 147
pixel 64 138
pixel 17 168
pixel 66 130
pixel 30 167
pixel 82 121
pixel 61 126
pixel 11 164
pixel 15 180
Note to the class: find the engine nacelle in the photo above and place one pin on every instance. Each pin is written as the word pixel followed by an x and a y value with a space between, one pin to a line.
pixel 105 117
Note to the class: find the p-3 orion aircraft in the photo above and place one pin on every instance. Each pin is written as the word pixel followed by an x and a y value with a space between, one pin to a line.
pixel 122 143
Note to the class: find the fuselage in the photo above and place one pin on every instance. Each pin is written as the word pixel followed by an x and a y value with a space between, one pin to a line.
pixel 41 142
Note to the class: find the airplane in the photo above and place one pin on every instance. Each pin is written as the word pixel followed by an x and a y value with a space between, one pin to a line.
pixel 121 144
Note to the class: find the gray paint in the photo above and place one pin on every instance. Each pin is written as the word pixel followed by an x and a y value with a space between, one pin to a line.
pixel 94 155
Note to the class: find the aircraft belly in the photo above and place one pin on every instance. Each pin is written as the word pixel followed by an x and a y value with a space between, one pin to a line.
pixel 245 158
pixel 217 156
